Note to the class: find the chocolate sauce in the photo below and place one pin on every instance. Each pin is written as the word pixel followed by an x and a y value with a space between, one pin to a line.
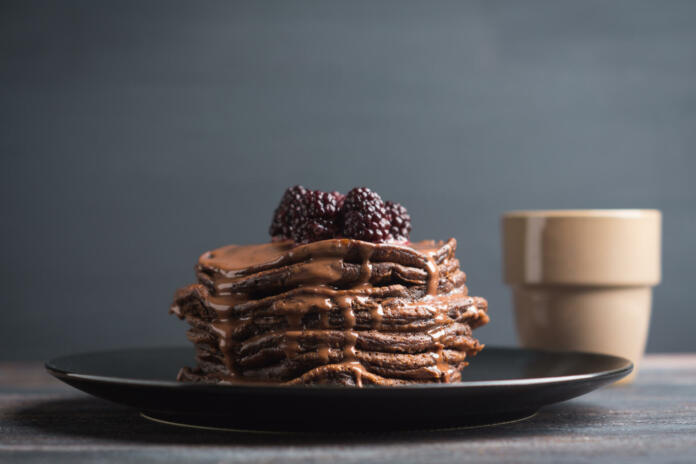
pixel 234 261
pixel 312 282
pixel 376 314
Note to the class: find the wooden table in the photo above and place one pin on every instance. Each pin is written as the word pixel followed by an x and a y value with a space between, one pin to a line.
pixel 41 420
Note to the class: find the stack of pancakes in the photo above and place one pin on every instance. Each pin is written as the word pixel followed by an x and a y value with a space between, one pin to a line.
pixel 336 311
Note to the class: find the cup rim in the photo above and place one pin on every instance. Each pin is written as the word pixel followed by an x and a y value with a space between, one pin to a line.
pixel 583 213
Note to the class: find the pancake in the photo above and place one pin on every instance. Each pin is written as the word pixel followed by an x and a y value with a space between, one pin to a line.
pixel 337 311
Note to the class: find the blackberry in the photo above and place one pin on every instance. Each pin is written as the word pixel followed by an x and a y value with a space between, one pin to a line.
pixel 305 215
pixel 361 197
pixel 400 221
pixel 291 207
pixel 321 219
pixel 340 198
pixel 365 216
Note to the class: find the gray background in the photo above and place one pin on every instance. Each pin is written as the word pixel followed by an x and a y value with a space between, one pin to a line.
pixel 135 135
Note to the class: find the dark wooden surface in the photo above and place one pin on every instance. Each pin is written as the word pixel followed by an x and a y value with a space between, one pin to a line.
pixel 654 420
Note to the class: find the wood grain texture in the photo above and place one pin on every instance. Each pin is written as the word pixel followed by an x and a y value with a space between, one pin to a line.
pixel 654 419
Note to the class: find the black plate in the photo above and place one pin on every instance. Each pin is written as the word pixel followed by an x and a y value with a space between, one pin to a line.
pixel 501 384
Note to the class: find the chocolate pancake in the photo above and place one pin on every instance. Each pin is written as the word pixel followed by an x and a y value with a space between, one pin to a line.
pixel 336 311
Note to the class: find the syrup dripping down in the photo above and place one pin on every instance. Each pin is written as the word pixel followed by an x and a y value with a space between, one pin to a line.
pixel 317 275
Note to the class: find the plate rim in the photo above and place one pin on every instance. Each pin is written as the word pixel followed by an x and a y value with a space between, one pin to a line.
pixel 616 373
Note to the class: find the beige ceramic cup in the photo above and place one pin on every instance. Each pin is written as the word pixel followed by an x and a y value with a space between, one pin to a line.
pixel 582 279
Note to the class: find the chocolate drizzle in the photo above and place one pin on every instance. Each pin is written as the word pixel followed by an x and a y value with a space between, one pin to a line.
pixel 323 312
pixel 433 276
